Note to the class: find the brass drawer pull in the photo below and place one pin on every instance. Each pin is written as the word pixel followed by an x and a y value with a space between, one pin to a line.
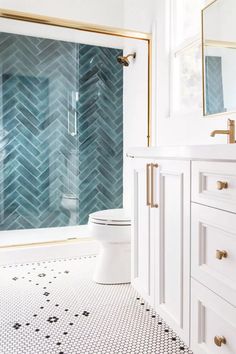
pixel 221 254
pixel 222 185
pixel 153 204
pixel 219 340
pixel 148 184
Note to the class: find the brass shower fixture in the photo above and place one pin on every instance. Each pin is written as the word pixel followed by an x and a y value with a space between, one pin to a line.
pixel 124 60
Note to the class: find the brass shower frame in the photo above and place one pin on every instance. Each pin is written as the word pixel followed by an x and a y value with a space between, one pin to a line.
pixel 86 27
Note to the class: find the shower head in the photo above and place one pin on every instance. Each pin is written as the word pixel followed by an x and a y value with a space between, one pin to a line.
pixel 124 60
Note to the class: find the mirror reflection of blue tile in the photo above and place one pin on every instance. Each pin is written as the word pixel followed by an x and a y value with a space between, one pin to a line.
pixel 214 85
pixel 61 132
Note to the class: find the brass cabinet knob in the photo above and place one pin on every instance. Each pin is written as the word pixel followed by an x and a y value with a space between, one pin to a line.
pixel 221 185
pixel 219 340
pixel 221 254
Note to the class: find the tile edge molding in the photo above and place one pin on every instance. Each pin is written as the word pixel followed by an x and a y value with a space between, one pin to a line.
pixel 83 26
pixel 46 243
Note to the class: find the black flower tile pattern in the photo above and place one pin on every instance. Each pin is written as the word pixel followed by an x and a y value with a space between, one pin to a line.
pixel 75 315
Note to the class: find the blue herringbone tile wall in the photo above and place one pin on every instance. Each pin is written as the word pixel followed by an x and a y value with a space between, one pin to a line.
pixel 41 159
pixel 101 130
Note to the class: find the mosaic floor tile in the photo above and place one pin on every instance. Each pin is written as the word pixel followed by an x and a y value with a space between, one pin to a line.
pixel 54 307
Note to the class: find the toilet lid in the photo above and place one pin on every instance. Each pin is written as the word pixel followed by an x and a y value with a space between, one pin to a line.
pixel 111 216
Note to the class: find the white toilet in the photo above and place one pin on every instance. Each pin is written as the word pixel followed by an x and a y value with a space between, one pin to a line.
pixel 112 229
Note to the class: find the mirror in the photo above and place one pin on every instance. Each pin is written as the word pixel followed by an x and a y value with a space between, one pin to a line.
pixel 219 57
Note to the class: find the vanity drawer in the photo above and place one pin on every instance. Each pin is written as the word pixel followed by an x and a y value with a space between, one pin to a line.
pixel 214 184
pixel 213 250
pixel 213 320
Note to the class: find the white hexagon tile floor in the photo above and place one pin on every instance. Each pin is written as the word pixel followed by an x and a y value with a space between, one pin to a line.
pixel 54 307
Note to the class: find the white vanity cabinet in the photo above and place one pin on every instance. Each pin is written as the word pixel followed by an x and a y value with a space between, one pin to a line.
pixel 184 241
pixel 161 238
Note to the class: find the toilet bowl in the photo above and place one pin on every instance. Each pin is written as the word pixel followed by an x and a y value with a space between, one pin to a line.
pixel 112 228
pixel 69 202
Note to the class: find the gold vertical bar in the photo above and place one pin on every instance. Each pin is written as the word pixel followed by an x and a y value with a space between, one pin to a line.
pixel 153 204
pixel 148 183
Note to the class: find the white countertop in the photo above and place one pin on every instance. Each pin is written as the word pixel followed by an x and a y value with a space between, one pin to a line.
pixel 188 152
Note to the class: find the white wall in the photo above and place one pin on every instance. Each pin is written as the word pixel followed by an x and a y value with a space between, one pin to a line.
pixel 139 15
pixel 102 12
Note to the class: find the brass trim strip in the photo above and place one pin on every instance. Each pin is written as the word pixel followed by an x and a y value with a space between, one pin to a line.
pixel 31 244
pixel 208 5
pixel 82 26
pixel 148 203
pixel 220 44
pixel 153 204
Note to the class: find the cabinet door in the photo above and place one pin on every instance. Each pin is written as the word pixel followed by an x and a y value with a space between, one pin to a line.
pixel 142 266
pixel 172 245
pixel 213 322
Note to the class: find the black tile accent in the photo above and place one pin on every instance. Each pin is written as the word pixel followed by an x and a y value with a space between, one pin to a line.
pixel 52 319
pixel 17 325
pixel 41 275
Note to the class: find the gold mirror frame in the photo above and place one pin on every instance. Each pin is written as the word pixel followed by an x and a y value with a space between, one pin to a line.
pixel 112 31
pixel 215 44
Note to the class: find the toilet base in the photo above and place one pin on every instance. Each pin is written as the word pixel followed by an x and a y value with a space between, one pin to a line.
pixel 113 264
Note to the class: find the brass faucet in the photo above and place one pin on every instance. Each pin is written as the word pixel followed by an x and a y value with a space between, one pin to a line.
pixel 230 132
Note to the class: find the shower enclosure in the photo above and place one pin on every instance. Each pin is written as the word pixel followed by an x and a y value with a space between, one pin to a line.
pixel 61 131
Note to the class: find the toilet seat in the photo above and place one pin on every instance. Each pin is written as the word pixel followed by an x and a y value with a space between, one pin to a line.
pixel 112 217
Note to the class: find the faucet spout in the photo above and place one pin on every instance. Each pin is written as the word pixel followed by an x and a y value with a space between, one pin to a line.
pixel 230 132
pixel 215 132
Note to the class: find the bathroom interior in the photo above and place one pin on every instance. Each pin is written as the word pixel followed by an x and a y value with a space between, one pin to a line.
pixel 118 183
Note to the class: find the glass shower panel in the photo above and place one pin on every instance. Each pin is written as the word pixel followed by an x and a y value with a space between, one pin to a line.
pixel 61 132
pixel 37 77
